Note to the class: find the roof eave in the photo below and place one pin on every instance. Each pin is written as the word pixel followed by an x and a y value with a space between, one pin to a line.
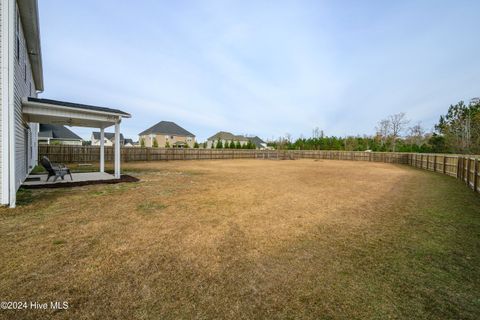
pixel 31 28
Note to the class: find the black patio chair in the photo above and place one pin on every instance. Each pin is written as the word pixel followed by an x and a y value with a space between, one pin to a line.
pixel 55 169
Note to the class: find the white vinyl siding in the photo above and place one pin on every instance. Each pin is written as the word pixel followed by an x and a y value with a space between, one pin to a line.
pixel 1 106
pixel 25 133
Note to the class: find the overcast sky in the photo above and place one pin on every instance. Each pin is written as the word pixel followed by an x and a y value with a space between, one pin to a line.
pixel 264 68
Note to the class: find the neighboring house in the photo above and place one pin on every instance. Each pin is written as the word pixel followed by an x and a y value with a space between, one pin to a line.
pixel 109 139
pixel 21 78
pixel 56 134
pixel 227 137
pixel 259 143
pixel 167 133
pixel 128 143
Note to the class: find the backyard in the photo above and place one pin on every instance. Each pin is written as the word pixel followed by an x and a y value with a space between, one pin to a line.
pixel 246 239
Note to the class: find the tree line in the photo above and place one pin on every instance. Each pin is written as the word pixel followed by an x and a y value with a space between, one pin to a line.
pixel 458 131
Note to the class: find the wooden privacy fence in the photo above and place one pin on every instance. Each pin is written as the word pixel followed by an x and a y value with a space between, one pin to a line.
pixel 465 168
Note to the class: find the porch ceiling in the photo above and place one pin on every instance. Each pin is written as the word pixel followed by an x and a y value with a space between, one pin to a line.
pixel 71 114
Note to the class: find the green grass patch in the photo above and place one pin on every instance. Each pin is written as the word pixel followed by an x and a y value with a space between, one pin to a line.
pixel 150 206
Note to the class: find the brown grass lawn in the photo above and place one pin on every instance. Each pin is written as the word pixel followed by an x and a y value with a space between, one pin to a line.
pixel 247 239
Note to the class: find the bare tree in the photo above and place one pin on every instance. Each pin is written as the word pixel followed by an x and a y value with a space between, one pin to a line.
pixel 383 130
pixel 398 123
pixel 288 137
pixel 416 133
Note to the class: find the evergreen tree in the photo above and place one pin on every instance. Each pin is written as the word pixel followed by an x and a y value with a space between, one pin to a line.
pixel 219 144
pixel 232 144
pixel 196 145
pixel 155 143
pixel 142 143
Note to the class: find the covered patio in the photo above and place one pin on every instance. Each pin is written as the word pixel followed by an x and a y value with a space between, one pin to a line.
pixel 56 112
pixel 41 179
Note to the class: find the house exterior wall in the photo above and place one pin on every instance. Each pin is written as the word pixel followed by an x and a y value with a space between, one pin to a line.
pixel 18 139
pixel 2 66
pixel 163 138
pixel 26 134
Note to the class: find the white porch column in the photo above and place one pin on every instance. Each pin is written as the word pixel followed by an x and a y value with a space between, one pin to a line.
pixel 117 149
pixel 102 150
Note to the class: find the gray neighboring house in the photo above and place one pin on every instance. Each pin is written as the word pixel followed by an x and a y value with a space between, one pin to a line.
pixel 57 134
pixel 259 143
pixel 129 143
pixel 227 137
pixel 109 139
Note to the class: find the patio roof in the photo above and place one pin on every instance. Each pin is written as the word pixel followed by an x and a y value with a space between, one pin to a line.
pixel 68 113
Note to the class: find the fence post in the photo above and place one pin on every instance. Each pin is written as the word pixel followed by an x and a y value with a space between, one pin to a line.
pixel 468 171
pixel 444 164
pixel 458 167
pixel 475 174
pixel 435 163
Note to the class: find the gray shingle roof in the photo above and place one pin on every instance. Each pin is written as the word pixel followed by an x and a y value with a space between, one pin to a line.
pixel 78 106
pixel 108 135
pixel 224 135
pixel 167 127
pixel 53 131
pixel 257 141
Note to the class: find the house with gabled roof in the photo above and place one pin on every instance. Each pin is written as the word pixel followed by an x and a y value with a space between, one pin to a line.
pixel 167 134
pixel 108 138
pixel 227 137
pixel 57 134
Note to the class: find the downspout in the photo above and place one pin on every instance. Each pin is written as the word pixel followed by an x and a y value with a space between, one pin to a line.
pixel 6 65
pixel 11 103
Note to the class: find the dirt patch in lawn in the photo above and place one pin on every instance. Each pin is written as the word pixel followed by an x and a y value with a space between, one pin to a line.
pixel 248 239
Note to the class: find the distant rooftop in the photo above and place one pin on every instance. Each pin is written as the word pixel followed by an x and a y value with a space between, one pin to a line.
pixel 224 135
pixel 108 135
pixel 167 127
pixel 53 131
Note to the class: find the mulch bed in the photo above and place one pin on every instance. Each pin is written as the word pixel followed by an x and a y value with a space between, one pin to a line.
pixel 123 178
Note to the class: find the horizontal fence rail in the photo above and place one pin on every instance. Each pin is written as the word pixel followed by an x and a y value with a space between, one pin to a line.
pixel 465 168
